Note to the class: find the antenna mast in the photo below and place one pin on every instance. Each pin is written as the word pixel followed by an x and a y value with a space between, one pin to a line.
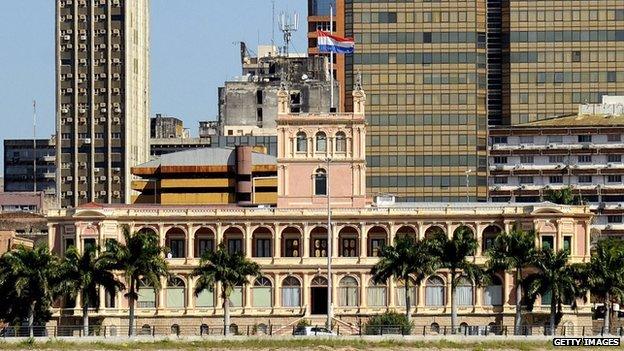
pixel 272 23
pixel 288 25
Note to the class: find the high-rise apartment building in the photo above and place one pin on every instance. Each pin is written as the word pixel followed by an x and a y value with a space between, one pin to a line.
pixel 437 71
pixel 102 75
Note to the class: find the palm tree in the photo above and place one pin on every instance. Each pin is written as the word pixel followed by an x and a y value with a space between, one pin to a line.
pixel 605 274
pixel 407 259
pixel 453 255
pixel 82 275
pixel 231 270
pixel 557 277
pixel 513 251
pixel 28 280
pixel 563 196
pixel 139 257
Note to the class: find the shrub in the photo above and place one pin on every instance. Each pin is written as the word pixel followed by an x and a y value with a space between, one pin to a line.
pixel 304 323
pixel 388 323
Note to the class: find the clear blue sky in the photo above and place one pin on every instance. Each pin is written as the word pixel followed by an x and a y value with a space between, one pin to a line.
pixel 192 53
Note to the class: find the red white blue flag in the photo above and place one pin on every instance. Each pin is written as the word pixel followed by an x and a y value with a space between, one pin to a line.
pixel 327 42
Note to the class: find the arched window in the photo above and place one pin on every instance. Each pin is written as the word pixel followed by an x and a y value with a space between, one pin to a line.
pixel 434 328
pixel 320 182
pixel 262 292
pixel 146 329
pixel 302 142
pixel 376 294
pixel 341 142
pixel 147 295
pixel 236 297
pixel 348 292
pixel 204 330
pixel 321 142
pixel 205 298
pixel 434 232
pixel 464 292
pixel 175 293
pixel 175 329
pixel 434 292
pixel 493 293
pixel 291 292
pixel 464 328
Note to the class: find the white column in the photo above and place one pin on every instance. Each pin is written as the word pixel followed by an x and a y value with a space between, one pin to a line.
pixel 277 242
pixel 190 241
pixel 190 287
pixel 248 240
pixel 363 240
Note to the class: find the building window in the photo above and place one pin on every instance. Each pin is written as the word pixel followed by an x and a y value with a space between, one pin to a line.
pixel 349 247
pixel 147 295
pixel 500 159
pixel 464 292
pixel 291 247
pixel 493 293
pixel 499 140
pixel 526 139
pixel 236 297
pixel 556 179
pixel 376 295
pixel 204 245
pixel 176 248
pixel 548 242
pixel 348 292
pixel 526 159
pixel 319 248
pixel 546 298
pixel 614 219
pixel 584 179
pixel 321 142
pixel 320 182
pixel 567 244
pixel 302 142
pixel 614 178
pixel 69 242
pixel 262 292
pixel 500 180
pixel 526 180
pixel 175 293
pixel 614 158
pixel 614 137
pixel 88 244
pixel 555 139
pixel 376 245
pixel 291 292
pixel 205 298
pixel 434 292
pixel 556 159
pixel 235 246
pixel 584 138
pixel 341 142
pixel 263 247
pixel 584 158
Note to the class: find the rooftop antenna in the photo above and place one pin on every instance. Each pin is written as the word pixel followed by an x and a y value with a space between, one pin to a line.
pixel 288 25
pixel 35 146
pixel 272 23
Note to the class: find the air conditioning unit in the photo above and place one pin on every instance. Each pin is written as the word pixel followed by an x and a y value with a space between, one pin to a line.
pixel 102 16
pixel 70 75
pixel 87 141
pixel 82 110
pixel 102 119
pixel 67 37
pixel 116 31
pixel 82 120
pixel 116 193
pixel 69 178
pixel 69 119
pixel 70 193
pixel 116 179
pixel 83 61
pixel 83 179
pixel 116 90
pixel 83 37
pixel 118 110
pixel 116 47
pixel 116 169
pixel 102 90
pixel 96 170
pixel 103 192
pixel 64 110
pixel 83 193
pixel 116 120
pixel 116 76
pixel 82 47
pixel 102 177
pixel 69 90
pixel 103 110
pixel 116 60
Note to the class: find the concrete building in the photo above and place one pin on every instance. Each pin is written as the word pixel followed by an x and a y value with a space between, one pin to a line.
pixel 102 98
pixel 164 127
pixel 583 151
pixel 247 104
pixel 19 163
pixel 291 244
pixel 208 129
pixel 208 176
pixel 266 142
pixel 25 202
pixel 162 146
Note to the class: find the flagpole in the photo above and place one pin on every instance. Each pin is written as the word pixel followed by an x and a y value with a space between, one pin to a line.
pixel 331 59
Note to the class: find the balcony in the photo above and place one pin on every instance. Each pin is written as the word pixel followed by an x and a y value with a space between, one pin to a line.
pixel 49 175
pixel 49 158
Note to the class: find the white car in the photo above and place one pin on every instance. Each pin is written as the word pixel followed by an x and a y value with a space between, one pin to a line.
pixel 313 331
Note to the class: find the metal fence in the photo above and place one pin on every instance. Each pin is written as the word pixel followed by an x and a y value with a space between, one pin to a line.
pixel 261 329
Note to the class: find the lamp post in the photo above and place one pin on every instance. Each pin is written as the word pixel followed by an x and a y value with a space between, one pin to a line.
pixel 468 171
pixel 329 248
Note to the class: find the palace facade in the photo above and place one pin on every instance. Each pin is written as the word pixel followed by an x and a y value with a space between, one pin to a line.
pixel 291 243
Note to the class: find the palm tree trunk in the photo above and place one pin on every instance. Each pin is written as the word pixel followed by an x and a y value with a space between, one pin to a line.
pixel 518 318
pixel 553 313
pixel 226 314
pixel 408 311
pixel 453 306
pixel 131 309
pixel 31 319
pixel 607 318
pixel 85 317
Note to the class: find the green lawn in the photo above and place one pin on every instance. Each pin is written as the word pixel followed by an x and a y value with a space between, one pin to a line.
pixel 284 344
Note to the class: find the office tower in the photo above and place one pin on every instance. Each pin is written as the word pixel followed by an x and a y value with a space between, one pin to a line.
pixel 19 170
pixel 561 54
pixel 423 65
pixel 102 75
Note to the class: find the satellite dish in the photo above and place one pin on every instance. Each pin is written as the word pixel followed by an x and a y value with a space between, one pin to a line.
pixel 304 77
